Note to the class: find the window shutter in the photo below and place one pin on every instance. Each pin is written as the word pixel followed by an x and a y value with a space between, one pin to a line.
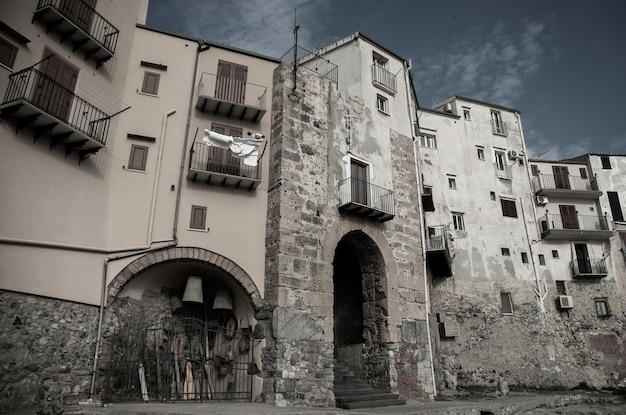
pixel 150 83
pixel 583 173
pixel 7 53
pixel 534 170
pixel 198 217
pixel 138 156
pixel 616 208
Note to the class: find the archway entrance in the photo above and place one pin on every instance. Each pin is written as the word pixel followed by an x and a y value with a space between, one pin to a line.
pixel 359 307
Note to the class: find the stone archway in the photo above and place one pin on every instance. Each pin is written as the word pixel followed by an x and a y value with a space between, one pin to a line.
pixel 192 254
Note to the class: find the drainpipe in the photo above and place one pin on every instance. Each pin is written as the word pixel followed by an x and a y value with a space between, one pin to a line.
pixel 539 290
pixel 157 176
pixel 412 111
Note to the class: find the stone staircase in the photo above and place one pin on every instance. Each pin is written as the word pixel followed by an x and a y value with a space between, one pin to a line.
pixel 351 392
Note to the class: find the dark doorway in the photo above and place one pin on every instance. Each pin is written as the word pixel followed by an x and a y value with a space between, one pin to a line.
pixel 55 86
pixel 582 257
pixel 348 300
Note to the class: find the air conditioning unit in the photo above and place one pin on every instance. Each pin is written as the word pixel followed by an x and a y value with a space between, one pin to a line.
pixel 449 329
pixel 513 155
pixel 449 108
pixel 566 302
pixel 541 200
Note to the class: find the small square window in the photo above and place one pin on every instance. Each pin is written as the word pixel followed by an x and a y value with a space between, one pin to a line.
pixel 507 303
pixel 542 259
pixel 458 222
pixel 8 52
pixel 466 114
pixel 492 195
pixel 198 218
pixel 555 253
pixel 150 83
pixel 606 162
pixel 505 251
pixel 602 307
pixel 428 140
pixel 561 288
pixel 451 182
pixel 508 208
pixel 138 157
pixel 480 152
pixel 524 257
pixel 382 104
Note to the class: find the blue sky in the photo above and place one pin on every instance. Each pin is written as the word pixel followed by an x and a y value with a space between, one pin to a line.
pixel 562 63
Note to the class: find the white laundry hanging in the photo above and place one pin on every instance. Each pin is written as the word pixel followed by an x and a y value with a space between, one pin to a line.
pixel 245 148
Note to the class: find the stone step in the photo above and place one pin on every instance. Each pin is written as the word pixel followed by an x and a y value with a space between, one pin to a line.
pixel 366 398
pixel 360 392
pixel 372 404
pixel 351 385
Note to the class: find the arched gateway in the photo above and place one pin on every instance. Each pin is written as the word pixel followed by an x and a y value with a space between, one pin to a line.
pixel 178 327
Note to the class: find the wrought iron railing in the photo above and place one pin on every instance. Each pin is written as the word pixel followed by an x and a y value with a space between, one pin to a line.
pixel 353 190
pixel 503 170
pixel 217 160
pixel 313 62
pixel 384 78
pixel 565 182
pixel 87 19
pixel 498 127
pixel 574 222
pixel 436 238
pixel 43 92
pixel 589 266
pixel 232 90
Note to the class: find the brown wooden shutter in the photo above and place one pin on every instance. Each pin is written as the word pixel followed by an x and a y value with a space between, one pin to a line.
pixel 583 173
pixel 198 217
pixel 138 157
pixel 534 170
pixel 150 83
pixel 7 53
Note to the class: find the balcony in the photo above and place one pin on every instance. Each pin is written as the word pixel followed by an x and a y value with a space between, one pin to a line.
pixel 35 100
pixel 212 165
pixel 503 170
pixel 582 227
pixel 572 187
pixel 437 251
pixel 365 199
pixel 498 127
pixel 589 268
pixel 81 25
pixel 219 95
pixel 384 79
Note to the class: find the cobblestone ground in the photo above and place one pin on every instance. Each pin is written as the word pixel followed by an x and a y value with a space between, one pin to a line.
pixel 583 409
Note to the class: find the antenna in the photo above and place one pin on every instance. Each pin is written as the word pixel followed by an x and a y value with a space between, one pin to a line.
pixel 295 47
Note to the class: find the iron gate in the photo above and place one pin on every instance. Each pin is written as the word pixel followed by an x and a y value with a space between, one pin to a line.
pixel 181 358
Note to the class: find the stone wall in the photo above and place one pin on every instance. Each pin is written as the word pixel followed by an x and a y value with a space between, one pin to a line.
pixel 558 349
pixel 47 348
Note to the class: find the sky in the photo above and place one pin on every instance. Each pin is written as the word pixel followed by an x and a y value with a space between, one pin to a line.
pixel 562 63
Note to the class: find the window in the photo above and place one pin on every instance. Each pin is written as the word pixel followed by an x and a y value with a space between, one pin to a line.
pixel 480 152
pixel 534 170
pixel 150 83
pixel 524 258
pixel 505 251
pixel 507 303
pixel 458 223
pixel 8 52
pixel 198 217
pixel 496 123
pixel 602 307
pixel 222 160
pixel 616 207
pixel 452 183
pixel 427 199
pixel 381 104
pixel 500 160
pixel 358 177
pixel 561 288
pixel 230 83
pixel 53 91
pixel 542 259
pixel 379 61
pixel 555 253
pixel 583 172
pixel 138 157
pixel 492 195
pixel 466 114
pixel 508 208
pixel 428 140
pixel 561 177
pixel 606 162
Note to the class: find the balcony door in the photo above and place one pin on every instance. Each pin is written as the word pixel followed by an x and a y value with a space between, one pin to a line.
pixel 231 82
pixel 582 257
pixel 79 12
pixel 358 176
pixel 561 177
pixel 569 217
pixel 221 160
pixel 55 86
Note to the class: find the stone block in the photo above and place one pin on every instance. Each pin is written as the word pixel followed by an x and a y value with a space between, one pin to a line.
pixel 297 325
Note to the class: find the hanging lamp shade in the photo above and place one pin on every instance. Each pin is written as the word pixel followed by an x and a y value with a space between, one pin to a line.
pixel 193 291
pixel 223 300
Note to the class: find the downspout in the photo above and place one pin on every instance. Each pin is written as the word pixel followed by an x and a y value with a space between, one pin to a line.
pixel 540 291
pixel 412 110
pixel 157 176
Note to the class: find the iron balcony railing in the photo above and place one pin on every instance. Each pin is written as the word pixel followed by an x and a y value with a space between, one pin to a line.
pixel 498 127
pixel 217 160
pixel 34 87
pixel 87 19
pixel 564 182
pixel 360 192
pixel 232 90
pixel 503 170
pixel 574 222
pixel 589 267
pixel 436 238
pixel 382 77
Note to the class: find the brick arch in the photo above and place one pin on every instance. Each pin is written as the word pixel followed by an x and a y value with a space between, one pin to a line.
pixel 155 258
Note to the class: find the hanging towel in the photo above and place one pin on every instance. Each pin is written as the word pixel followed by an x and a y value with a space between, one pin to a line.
pixel 245 148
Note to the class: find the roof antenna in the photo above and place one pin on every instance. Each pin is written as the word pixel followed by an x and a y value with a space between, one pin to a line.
pixel 295 47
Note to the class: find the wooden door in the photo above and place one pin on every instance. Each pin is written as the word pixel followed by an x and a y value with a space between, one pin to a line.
pixel 561 177
pixel 569 216
pixel 358 175
pixel 582 257
pixel 231 82
pixel 55 86
pixel 79 12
